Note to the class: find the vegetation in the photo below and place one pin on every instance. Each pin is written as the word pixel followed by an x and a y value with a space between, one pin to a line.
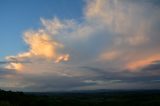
pixel 121 98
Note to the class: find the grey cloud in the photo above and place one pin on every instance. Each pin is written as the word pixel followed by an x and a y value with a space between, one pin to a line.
pixel 49 83
pixel 152 67
pixel 125 76
pixel 16 61
pixel 4 72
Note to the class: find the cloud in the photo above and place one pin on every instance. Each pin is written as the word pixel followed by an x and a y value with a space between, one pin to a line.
pixel 7 62
pixel 153 66
pixel 111 55
pixel 4 71
pixel 114 46
pixel 14 64
pixel 41 46
pixel 52 26
pixel 142 63
pixel 132 31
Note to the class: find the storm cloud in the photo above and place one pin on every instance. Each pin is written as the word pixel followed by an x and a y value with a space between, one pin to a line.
pixel 115 46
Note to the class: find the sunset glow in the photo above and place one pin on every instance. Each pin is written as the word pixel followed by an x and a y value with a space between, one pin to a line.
pixel 57 45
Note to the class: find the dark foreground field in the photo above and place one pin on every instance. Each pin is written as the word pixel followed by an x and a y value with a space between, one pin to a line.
pixel 103 98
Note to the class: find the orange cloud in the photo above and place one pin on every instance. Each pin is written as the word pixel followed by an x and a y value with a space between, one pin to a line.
pixel 62 58
pixel 110 55
pixel 142 63
pixel 41 46
pixel 15 66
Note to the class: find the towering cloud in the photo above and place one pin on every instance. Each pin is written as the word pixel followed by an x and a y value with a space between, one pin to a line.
pixel 131 28
pixel 111 47
pixel 41 46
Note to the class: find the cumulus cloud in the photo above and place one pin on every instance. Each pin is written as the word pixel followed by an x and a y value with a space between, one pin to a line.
pixel 114 45
pixel 41 46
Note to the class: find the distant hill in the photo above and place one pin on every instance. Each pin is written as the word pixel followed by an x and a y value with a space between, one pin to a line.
pixel 81 98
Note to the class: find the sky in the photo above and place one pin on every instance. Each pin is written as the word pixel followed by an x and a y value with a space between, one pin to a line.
pixel 66 45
